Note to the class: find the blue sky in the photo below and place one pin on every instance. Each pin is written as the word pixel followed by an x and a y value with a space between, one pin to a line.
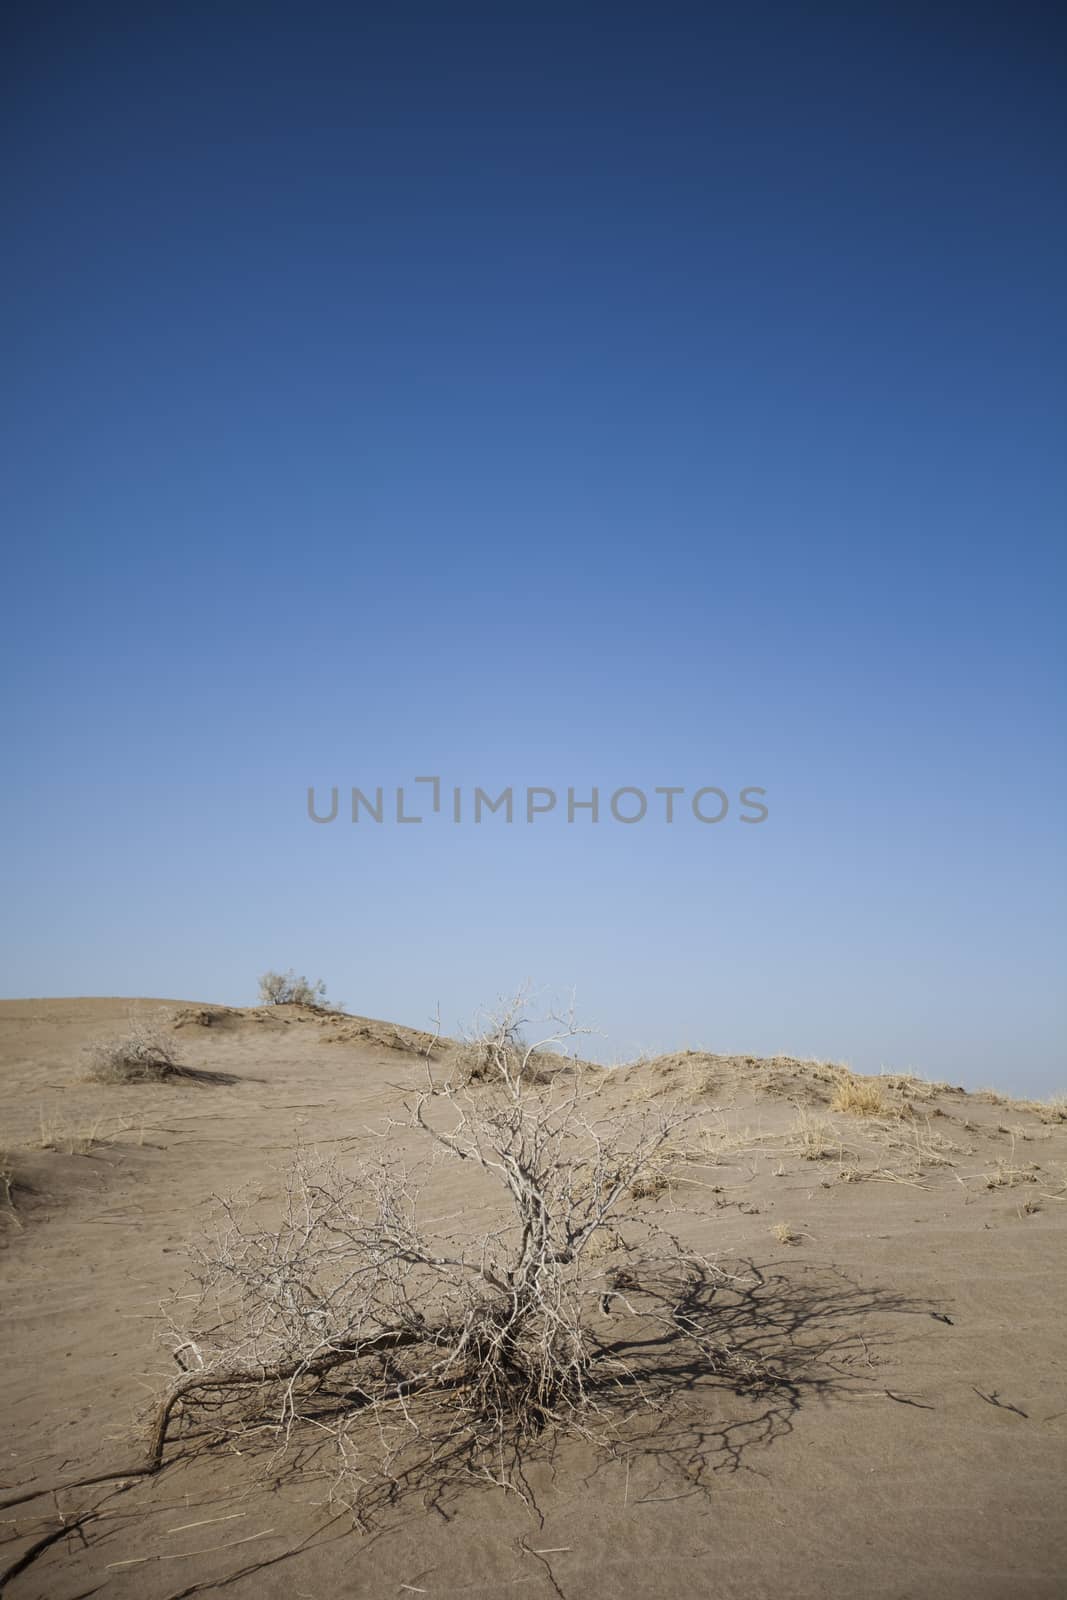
pixel 558 396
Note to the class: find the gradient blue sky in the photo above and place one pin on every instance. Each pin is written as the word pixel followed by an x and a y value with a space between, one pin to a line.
pixel 560 395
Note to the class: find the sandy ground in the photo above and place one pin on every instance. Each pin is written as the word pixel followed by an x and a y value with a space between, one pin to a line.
pixel 919 1294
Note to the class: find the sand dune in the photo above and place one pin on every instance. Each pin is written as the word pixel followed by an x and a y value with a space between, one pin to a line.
pixel 896 1254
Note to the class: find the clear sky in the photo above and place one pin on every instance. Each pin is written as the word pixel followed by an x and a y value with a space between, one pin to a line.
pixel 543 395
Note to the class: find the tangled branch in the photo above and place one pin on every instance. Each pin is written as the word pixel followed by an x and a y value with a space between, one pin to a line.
pixel 411 1345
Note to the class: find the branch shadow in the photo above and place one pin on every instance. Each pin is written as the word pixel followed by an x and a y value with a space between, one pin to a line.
pixel 734 1361
pixel 696 1378
pixel 693 1377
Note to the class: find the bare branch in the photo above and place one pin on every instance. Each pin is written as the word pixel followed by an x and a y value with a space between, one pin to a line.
pixel 448 1344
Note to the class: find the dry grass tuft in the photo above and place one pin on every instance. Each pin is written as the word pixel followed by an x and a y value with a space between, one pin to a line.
pixel 1052 1110
pixel 68 1139
pixel 644 1089
pixel 1006 1175
pixel 662 1171
pixel 918 1146
pixel 650 1186
pixel 8 1209
pixel 200 1017
pixel 912 1087
pixel 814 1138
pixel 383 1035
pixel 702 1078
pixel 864 1097
pixel 785 1233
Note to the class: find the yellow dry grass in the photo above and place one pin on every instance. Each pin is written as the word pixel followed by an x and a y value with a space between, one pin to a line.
pixel 868 1097
pixel 80 1139
pixel 814 1138
pixel 862 1097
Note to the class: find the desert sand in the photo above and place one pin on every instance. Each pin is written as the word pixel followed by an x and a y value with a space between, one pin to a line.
pixel 901 1269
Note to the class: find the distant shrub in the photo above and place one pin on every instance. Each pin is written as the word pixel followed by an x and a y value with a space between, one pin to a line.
pixel 287 989
pixel 140 1056
pixel 144 1055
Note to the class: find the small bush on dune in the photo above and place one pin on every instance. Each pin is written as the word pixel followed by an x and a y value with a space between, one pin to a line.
pixel 288 989
pixel 140 1056
pixel 144 1055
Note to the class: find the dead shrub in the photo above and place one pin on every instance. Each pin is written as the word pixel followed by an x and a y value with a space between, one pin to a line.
pixel 141 1056
pixel 454 1349
pixel 144 1055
